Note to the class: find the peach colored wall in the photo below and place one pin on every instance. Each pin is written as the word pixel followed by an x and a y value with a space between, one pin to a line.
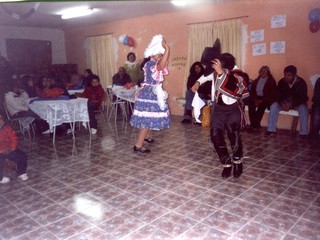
pixel 302 46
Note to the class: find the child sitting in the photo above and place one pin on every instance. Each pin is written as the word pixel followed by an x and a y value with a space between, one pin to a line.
pixel 9 150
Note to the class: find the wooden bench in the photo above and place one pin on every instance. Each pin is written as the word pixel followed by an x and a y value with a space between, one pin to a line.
pixel 293 113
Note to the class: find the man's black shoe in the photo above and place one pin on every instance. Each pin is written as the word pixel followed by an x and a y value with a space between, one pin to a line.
pixel 226 172
pixel 237 170
pixel 267 134
pixel 303 137
pixel 197 123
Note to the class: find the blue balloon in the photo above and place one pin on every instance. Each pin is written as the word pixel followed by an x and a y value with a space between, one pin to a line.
pixel 126 41
pixel 314 15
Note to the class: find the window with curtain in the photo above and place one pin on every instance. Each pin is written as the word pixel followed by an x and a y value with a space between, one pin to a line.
pixel 100 57
pixel 202 35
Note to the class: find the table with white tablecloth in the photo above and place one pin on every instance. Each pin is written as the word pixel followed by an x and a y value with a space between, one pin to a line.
pixel 126 94
pixel 59 111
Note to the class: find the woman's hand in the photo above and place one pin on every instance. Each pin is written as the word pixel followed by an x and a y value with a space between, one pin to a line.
pixel 216 65
pixel 195 86
pixel 164 44
pixel 165 56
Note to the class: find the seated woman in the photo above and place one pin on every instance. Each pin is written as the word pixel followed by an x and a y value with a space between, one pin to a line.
pixel 95 94
pixel 87 77
pixel 195 72
pixel 262 95
pixel 29 86
pixel 133 69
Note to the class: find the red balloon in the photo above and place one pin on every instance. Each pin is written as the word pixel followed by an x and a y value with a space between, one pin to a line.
pixel 130 42
pixel 314 26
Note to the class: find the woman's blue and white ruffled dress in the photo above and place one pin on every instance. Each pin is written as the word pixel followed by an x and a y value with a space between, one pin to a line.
pixel 150 108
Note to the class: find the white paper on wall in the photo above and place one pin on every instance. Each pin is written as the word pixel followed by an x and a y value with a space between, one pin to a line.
pixel 278 47
pixel 278 21
pixel 257 36
pixel 259 49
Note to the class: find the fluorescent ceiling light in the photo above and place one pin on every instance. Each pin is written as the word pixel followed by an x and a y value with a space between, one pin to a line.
pixel 181 3
pixel 76 12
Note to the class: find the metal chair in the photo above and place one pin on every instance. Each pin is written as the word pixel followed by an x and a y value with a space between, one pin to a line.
pixel 115 103
pixel 102 109
pixel 24 124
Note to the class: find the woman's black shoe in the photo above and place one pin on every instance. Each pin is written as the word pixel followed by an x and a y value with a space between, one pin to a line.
pixel 142 149
pixel 149 140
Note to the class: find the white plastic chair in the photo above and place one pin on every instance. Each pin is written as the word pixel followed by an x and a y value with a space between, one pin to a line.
pixel 23 123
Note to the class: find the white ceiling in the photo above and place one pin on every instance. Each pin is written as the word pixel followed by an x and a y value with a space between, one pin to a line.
pixel 45 16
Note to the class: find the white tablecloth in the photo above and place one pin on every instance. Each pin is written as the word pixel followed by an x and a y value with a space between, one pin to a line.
pixel 57 112
pixel 125 94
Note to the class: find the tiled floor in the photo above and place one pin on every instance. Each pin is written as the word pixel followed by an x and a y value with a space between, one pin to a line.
pixel 102 190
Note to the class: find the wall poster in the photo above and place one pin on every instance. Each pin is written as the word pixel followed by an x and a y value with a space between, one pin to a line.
pixel 278 47
pixel 259 49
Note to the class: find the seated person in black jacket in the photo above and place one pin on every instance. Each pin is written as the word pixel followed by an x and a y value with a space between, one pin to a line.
pixel 315 114
pixel 291 94
pixel 121 78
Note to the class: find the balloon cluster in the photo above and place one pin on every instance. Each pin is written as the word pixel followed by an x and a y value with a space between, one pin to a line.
pixel 314 17
pixel 126 40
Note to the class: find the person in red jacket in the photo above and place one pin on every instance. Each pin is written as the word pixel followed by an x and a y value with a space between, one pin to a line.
pixel 9 150
pixel 95 94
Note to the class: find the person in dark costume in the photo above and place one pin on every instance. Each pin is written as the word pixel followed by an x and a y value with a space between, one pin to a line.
pixel 229 87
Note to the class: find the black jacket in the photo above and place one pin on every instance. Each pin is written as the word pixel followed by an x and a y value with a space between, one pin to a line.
pixel 316 93
pixel 296 95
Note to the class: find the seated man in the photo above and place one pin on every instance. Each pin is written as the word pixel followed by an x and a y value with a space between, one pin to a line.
pixel 121 78
pixel 196 71
pixel 95 94
pixel 9 150
pixel 291 94
pixel 315 114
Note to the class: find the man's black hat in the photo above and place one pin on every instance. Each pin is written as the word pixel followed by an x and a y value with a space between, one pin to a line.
pixel 209 54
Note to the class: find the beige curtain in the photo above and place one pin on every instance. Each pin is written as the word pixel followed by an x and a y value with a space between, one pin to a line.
pixel 203 35
pixel 100 56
